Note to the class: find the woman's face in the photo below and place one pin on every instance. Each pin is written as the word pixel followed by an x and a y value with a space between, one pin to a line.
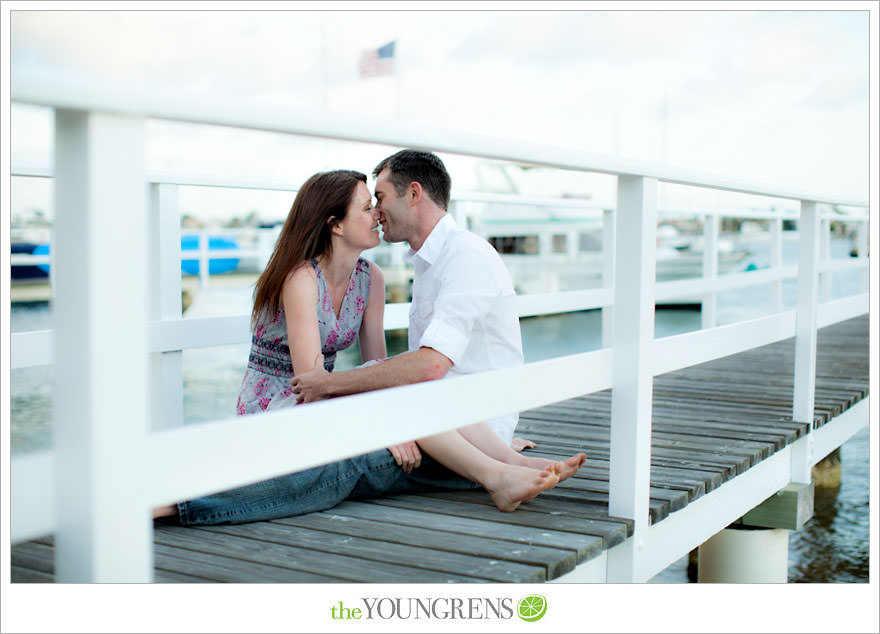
pixel 360 227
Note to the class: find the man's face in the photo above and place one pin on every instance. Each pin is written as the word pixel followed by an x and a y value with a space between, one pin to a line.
pixel 395 214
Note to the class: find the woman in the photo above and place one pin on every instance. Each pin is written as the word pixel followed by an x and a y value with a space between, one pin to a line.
pixel 317 295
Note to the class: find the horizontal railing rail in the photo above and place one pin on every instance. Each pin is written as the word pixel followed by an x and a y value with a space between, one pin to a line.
pixel 66 92
pixel 35 348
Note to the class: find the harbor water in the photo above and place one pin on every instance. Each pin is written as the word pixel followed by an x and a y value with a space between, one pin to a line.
pixel 832 547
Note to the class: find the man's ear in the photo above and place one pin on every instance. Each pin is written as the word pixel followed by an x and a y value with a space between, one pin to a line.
pixel 415 193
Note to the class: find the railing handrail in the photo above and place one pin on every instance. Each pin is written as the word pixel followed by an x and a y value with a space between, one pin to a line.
pixel 88 93
pixel 466 195
pixel 34 347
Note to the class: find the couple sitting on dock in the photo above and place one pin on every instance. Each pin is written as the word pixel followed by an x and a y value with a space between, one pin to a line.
pixel 463 320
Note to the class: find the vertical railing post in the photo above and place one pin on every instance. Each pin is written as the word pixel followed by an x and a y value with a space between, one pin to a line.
pixel 776 264
pixel 52 268
pixel 104 526
pixel 711 227
pixel 632 376
pixel 545 244
pixel 166 368
pixel 862 245
pixel 571 245
pixel 805 336
pixel 204 262
pixel 608 229
pixel 266 239
pixel 824 259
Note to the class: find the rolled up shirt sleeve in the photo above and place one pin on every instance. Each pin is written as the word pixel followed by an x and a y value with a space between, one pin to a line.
pixel 465 296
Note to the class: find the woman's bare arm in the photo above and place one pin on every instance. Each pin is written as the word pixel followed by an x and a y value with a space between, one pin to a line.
pixel 372 334
pixel 300 299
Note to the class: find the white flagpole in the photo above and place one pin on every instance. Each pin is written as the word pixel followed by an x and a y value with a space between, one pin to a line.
pixel 324 98
pixel 396 71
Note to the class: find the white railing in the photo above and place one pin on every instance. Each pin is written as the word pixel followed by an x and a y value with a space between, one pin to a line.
pixel 114 459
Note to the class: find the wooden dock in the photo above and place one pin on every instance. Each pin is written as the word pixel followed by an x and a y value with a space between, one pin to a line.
pixel 711 422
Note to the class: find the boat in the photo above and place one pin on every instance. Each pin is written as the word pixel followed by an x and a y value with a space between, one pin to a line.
pixel 552 244
pixel 21 272
pixel 216 265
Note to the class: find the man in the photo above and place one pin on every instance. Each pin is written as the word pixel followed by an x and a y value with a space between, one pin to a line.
pixel 463 317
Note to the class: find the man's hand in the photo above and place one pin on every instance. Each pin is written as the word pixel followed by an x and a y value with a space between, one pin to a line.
pixel 407 456
pixel 518 444
pixel 311 386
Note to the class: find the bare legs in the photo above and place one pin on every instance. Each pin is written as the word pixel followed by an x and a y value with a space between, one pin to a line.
pixel 484 438
pixel 477 453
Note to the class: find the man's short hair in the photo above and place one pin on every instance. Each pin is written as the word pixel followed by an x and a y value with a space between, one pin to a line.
pixel 424 168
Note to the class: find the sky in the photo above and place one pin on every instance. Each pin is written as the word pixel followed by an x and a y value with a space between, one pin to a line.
pixel 772 96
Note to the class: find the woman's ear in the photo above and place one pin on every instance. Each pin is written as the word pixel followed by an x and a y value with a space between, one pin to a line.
pixel 335 227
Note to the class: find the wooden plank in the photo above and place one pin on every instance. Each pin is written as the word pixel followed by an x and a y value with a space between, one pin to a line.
pixel 576 487
pixel 709 476
pixel 218 567
pixel 731 462
pixel 665 457
pixel 35 562
pixel 363 552
pixel 554 561
pixel 168 576
pixel 585 547
pixel 26 575
pixel 719 444
pixel 240 553
pixel 789 508
pixel 611 533
pixel 694 482
pixel 34 556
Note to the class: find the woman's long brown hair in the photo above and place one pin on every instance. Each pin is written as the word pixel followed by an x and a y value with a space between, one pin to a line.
pixel 320 203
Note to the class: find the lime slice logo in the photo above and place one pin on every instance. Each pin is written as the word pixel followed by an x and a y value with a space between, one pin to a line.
pixel 532 608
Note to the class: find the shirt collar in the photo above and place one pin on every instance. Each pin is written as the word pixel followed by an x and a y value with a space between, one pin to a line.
pixel 434 243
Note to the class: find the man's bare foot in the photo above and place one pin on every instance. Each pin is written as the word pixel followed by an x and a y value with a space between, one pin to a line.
pixel 566 468
pixel 516 485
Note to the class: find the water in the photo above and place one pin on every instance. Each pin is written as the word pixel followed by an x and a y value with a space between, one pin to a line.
pixel 832 547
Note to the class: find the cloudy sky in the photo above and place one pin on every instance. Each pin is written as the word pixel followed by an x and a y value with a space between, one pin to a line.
pixel 774 96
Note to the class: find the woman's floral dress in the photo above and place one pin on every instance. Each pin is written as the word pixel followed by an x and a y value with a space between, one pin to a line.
pixel 266 382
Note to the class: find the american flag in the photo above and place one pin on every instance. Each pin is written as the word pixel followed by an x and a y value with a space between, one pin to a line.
pixel 378 61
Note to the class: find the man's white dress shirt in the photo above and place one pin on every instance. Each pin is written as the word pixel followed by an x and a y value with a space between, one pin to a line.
pixel 464 307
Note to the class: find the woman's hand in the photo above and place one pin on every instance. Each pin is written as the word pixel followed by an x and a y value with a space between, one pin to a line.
pixel 311 386
pixel 407 456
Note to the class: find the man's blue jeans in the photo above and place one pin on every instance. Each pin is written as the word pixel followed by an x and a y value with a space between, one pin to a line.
pixel 319 488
